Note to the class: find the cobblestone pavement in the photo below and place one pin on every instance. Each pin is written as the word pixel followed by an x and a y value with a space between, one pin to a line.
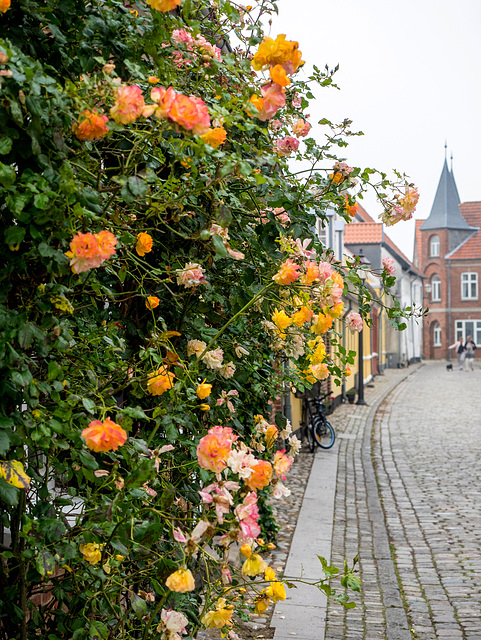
pixel 422 459
pixel 427 452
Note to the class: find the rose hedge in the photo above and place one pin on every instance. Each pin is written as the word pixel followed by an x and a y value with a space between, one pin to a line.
pixel 156 273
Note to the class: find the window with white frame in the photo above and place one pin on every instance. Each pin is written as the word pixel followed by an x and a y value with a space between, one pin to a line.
pixel 435 289
pixel 434 246
pixel 469 328
pixel 322 232
pixel 469 286
pixel 437 335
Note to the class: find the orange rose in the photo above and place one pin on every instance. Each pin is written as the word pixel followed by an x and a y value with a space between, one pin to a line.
pixel 163 5
pixel 160 381
pixel 129 104
pixel 190 113
pixel 144 244
pixel 4 5
pixel 104 436
pixel 90 125
pixel 261 475
pixel 215 137
pixel 152 302
pixel 279 76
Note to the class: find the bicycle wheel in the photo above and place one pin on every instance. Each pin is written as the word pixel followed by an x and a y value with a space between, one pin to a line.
pixel 310 437
pixel 324 434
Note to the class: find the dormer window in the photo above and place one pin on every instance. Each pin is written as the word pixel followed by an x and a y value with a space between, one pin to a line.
pixel 434 247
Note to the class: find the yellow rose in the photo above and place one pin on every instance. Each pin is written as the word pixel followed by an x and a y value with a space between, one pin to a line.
pixel 181 581
pixel 92 552
pixel 204 390
pixel 254 566
pixel 276 591
pixel 261 603
pixel 220 617
pixel 282 321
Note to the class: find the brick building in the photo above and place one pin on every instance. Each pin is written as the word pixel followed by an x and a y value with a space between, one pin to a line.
pixel 447 250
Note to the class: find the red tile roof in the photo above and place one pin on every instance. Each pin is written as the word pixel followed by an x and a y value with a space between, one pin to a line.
pixel 363 233
pixel 370 232
pixel 363 214
pixel 471 212
pixel 469 249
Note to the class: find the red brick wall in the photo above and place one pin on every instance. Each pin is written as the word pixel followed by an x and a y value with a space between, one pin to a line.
pixel 438 311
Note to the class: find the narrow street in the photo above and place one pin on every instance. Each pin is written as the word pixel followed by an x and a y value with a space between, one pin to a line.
pixel 408 501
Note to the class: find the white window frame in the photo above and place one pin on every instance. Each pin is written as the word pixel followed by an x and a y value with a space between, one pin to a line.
pixel 436 288
pixel 323 232
pixel 469 285
pixel 475 332
pixel 434 247
pixel 437 335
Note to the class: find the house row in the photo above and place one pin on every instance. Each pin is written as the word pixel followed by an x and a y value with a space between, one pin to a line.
pixel 379 345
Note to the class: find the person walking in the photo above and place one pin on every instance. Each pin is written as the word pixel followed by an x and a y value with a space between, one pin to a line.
pixel 458 347
pixel 469 349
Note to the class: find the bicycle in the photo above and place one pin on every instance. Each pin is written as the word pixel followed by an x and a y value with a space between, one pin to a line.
pixel 318 429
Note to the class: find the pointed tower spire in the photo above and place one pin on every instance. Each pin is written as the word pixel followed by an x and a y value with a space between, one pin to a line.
pixel 445 213
pixel 451 161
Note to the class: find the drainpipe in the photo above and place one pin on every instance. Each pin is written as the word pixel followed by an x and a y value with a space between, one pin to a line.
pixel 449 309
pixel 287 409
pixel 343 386
pixel 380 337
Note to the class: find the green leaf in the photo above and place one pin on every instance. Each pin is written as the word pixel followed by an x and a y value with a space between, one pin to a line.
pixel 25 335
pixel 98 630
pixel 219 246
pixel 8 494
pixel 88 404
pixel 45 563
pixel 54 370
pixel 139 606
pixel 7 175
pixel 14 235
pixel 88 460
pixel 41 200
pixel 5 146
pixel 4 442
pixel 138 187
pixel 135 412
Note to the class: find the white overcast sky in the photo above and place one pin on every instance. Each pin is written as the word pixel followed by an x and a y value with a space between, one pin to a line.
pixel 410 78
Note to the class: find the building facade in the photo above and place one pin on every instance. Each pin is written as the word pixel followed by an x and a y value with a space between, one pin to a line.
pixel 447 251
pixel 366 238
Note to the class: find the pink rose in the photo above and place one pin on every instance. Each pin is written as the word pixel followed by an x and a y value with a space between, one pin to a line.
pixel 301 128
pixel 129 104
pixel 388 264
pixel 191 275
pixel 354 321
pixel 286 145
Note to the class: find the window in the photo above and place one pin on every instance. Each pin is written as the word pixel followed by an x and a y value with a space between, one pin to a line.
pixel 469 286
pixel 322 232
pixel 434 246
pixel 435 288
pixel 437 335
pixel 469 328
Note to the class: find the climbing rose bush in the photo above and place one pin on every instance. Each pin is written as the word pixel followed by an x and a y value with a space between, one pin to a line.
pixel 159 270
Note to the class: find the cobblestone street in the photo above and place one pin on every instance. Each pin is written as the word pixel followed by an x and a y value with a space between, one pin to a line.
pixel 420 446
